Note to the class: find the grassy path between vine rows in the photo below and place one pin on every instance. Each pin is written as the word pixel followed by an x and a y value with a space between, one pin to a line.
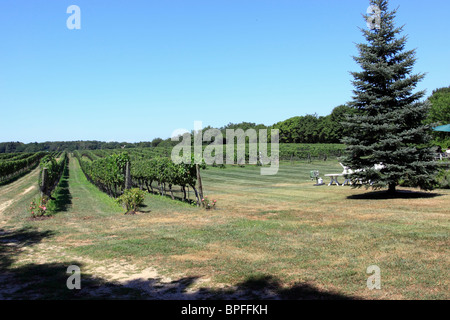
pixel 14 192
pixel 276 237
pixel 34 257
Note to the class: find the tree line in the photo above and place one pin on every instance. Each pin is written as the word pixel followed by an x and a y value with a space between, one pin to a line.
pixel 309 128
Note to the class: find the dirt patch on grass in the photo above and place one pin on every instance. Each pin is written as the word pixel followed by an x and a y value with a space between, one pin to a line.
pixel 167 220
pixel 195 219
pixel 27 190
pixel 200 256
pixel 74 243
pixel 5 205
pixel 221 251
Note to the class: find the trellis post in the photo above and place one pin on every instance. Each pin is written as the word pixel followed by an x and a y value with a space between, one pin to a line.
pixel 127 176
pixel 199 180
pixel 44 182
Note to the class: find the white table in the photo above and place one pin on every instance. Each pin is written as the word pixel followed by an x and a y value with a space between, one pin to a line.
pixel 334 178
pixel 347 181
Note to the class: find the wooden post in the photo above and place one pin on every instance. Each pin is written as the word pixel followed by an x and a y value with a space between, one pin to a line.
pixel 183 189
pixel 171 192
pixel 127 176
pixel 44 182
pixel 199 180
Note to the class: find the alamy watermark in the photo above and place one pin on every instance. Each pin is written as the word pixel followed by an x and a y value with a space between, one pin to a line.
pixel 374 281
pixel 74 20
pixel 74 281
pixel 213 153
pixel 374 17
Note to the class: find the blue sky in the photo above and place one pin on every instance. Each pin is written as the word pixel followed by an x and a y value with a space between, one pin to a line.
pixel 137 70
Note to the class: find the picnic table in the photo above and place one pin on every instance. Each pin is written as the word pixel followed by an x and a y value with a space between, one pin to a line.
pixel 334 178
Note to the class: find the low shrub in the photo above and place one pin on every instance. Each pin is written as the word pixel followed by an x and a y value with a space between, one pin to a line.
pixel 208 204
pixel 38 207
pixel 132 199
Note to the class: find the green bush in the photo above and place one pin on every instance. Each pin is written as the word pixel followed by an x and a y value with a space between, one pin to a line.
pixel 443 179
pixel 132 199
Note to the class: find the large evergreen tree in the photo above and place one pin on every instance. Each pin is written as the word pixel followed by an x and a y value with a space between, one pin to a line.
pixel 388 132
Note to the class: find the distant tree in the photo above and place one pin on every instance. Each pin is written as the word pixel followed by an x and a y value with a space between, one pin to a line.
pixel 439 114
pixel 303 129
pixel 144 144
pixel 388 129
pixel 156 141
pixel 337 128
pixel 290 130
pixel 310 126
pixel 440 107
pixel 244 126
pixel 10 147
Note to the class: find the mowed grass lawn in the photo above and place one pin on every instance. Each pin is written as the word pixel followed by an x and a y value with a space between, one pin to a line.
pixel 270 236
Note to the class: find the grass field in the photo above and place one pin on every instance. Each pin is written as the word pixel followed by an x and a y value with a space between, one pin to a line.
pixel 275 237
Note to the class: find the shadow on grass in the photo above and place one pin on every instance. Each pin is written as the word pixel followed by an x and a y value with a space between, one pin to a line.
pixel 177 194
pixel 34 281
pixel 144 206
pixel 399 194
pixel 13 241
pixel 269 287
pixel 49 280
pixel 62 197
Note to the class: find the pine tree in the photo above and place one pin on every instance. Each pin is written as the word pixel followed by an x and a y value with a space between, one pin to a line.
pixel 388 142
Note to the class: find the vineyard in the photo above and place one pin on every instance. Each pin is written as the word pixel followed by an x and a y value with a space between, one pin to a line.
pixel 280 226
pixel 212 153
pixel 287 151
pixel 147 170
pixel 51 172
pixel 13 165
pixel 152 170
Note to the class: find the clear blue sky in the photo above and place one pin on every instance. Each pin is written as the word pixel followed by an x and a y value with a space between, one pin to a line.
pixel 141 69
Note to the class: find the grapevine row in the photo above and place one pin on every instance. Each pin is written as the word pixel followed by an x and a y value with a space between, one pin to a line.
pixel 164 172
pixel 54 170
pixel 12 168
pixel 108 173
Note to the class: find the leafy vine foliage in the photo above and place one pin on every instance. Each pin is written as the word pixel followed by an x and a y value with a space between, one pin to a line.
pixel 54 172
pixel 107 172
pixel 12 165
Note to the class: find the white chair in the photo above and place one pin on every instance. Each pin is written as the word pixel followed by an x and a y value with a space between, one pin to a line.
pixel 347 170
